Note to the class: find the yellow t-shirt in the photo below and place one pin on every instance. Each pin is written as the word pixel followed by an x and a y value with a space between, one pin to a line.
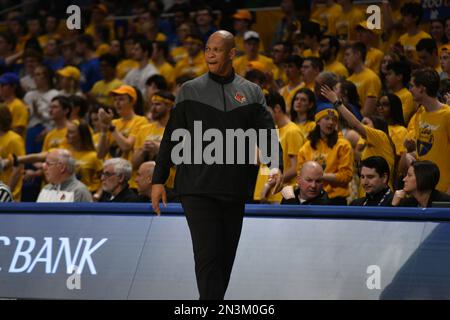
pixel 378 144
pixel 19 112
pixel 306 127
pixel 178 53
pixel 280 75
pixel 126 128
pixel 101 90
pixel 327 17
pixel 125 66
pixel 367 83
pixel 346 23
pixel 407 103
pixel 398 135
pixel 373 59
pixel 337 160
pixel 337 68
pixel 288 94
pixel 92 30
pixel 309 53
pixel 88 168
pixel 291 140
pixel 193 67
pixel 11 143
pixel 409 43
pixel 240 64
pixel 168 72
pixel 155 132
pixel 54 139
pixel 432 135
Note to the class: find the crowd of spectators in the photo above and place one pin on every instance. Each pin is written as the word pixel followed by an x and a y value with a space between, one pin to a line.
pixel 363 114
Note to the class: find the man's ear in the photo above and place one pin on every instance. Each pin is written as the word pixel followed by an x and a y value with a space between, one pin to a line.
pixel 232 53
pixel 385 178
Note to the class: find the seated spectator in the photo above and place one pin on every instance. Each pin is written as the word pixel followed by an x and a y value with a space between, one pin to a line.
pixel 38 102
pixel 373 129
pixel 5 193
pixel 398 74
pixel 9 85
pixel 10 143
pixel 160 58
pixel 293 74
pixel 59 170
pixel 101 89
pixel 420 185
pixel 291 139
pixel 204 22
pixel 69 81
pixel 144 181
pixel 328 51
pixel 309 189
pixel 332 152
pixel 142 53
pixel 242 22
pixel 115 176
pixel 251 53
pixel 90 65
pixel 194 63
pixel 427 51
pixel 374 180
pixel 303 109
pixel 445 61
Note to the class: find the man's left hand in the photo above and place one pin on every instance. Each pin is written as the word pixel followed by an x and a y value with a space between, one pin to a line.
pixel 276 177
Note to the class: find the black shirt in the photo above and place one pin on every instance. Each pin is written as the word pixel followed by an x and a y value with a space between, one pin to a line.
pixel 435 196
pixel 320 200
pixel 126 195
pixel 383 198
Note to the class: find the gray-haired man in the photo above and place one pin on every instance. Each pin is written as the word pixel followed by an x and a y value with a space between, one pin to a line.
pixel 115 176
pixel 59 170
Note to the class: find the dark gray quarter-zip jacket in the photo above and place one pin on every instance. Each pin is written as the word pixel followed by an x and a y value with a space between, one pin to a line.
pixel 219 103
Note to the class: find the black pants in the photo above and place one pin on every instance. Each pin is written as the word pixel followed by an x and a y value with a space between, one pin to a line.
pixel 215 227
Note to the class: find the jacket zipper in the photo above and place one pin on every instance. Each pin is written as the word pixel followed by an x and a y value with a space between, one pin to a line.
pixel 224 103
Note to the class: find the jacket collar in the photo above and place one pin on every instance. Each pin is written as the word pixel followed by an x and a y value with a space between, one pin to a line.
pixel 222 80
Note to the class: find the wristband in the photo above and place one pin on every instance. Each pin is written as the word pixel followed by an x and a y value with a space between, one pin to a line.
pixel 337 104
pixel 111 128
pixel 15 160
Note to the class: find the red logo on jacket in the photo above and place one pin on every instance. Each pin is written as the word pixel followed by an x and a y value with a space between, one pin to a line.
pixel 240 97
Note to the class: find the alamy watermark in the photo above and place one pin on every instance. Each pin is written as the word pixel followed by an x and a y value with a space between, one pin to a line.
pixel 236 146
pixel 374 280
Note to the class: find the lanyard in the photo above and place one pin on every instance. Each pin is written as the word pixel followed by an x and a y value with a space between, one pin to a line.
pixel 382 199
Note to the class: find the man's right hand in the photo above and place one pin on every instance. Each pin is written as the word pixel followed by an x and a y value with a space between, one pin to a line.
pixel 158 193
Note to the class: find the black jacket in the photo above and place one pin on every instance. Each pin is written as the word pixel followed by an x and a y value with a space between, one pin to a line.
pixel 320 200
pixel 219 103
pixel 126 195
pixel 435 196
pixel 382 199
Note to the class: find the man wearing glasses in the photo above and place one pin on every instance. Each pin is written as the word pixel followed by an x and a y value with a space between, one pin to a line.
pixel 115 177
pixel 59 170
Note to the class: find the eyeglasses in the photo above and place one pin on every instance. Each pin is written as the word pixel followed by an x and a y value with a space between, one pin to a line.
pixel 51 163
pixel 107 174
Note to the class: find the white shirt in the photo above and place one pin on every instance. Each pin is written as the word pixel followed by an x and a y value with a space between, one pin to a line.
pixel 138 77
pixel 42 101
pixel 55 196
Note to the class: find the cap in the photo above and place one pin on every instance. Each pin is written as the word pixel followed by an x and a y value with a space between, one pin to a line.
pixel 70 72
pixel 243 15
pixel 129 90
pixel 249 35
pixel 9 78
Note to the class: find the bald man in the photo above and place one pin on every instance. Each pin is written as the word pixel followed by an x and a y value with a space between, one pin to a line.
pixel 309 190
pixel 213 194
pixel 144 180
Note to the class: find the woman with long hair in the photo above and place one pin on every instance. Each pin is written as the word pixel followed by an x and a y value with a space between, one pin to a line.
pixel 373 129
pixel 302 111
pixel 333 152
pixel 390 109
pixel 79 143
